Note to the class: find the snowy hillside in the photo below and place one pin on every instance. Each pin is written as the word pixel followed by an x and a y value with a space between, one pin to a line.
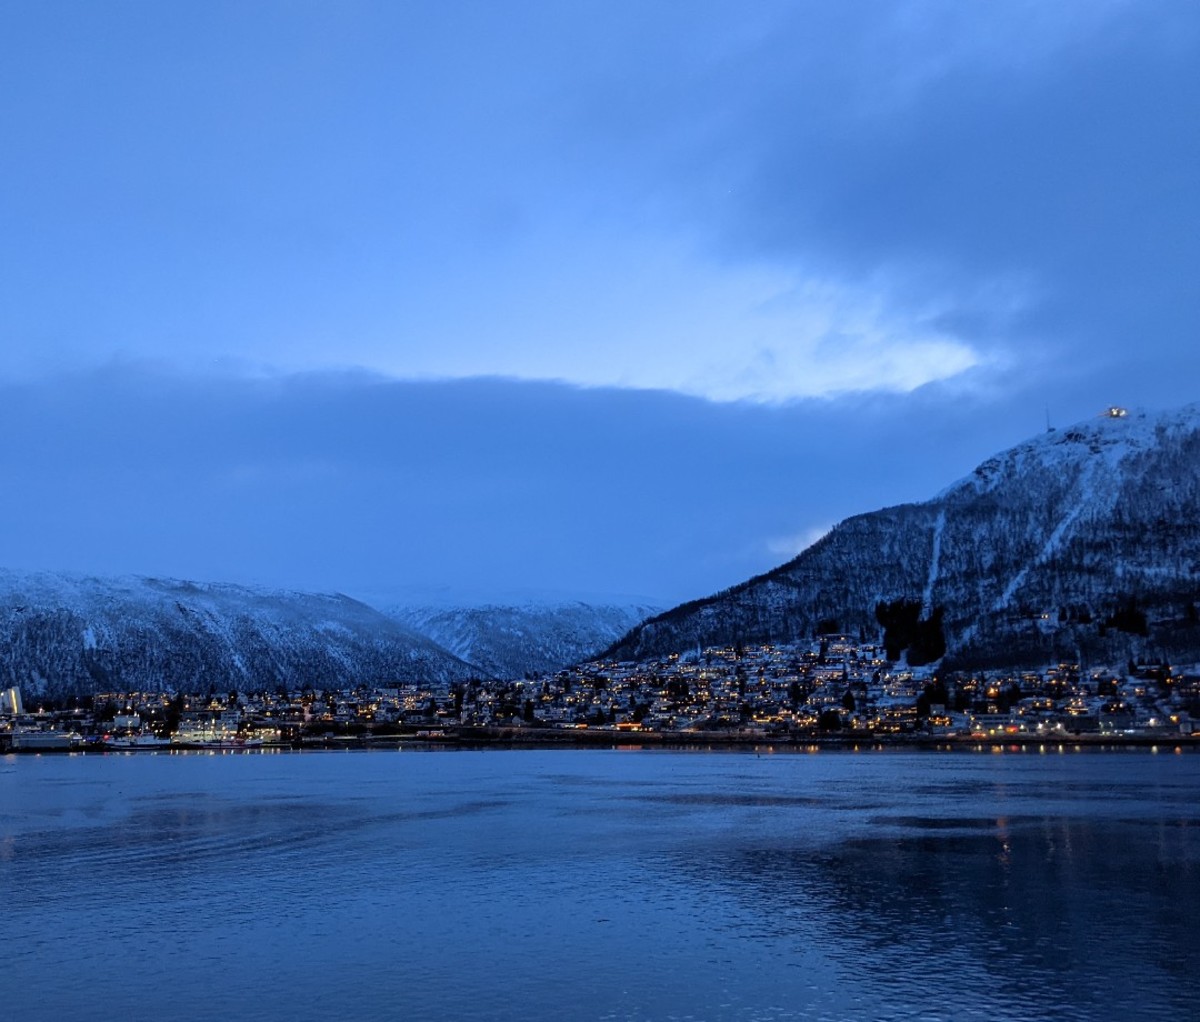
pixel 65 634
pixel 513 641
pixel 1083 541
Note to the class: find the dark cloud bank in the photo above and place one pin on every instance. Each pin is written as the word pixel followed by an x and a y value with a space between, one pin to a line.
pixel 346 482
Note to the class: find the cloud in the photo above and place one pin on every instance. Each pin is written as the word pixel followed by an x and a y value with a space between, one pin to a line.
pixel 787 547
pixel 737 334
pixel 847 199
pixel 350 482
pixel 964 153
pixel 821 339
pixel 796 202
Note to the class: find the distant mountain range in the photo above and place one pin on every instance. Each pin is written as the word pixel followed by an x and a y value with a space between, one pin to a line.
pixel 63 635
pixel 515 641
pixel 1080 542
pixel 1083 542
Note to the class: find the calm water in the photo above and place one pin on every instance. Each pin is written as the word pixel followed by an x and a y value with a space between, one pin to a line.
pixel 601 885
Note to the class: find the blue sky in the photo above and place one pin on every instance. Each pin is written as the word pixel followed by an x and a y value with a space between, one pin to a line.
pixel 591 297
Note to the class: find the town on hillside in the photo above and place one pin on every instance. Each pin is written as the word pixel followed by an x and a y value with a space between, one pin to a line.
pixel 831 688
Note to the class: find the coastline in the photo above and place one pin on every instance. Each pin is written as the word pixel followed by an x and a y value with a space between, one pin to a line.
pixel 482 738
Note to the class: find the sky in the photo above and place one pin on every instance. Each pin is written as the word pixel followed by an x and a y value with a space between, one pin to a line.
pixel 592 298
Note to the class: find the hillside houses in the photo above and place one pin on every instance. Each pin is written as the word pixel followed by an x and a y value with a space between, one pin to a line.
pixel 831 684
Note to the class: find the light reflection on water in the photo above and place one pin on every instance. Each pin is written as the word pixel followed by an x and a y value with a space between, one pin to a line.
pixel 604 885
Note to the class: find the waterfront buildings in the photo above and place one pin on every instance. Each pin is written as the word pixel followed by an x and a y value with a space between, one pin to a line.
pixel 830 685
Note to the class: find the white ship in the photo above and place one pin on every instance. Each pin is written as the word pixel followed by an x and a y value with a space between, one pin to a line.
pixel 140 740
pixel 33 740
pixel 191 742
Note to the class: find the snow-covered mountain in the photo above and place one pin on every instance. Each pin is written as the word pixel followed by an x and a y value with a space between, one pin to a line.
pixel 62 634
pixel 513 641
pixel 1083 541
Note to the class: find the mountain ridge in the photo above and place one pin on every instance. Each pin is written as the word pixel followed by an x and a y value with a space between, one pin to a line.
pixel 508 641
pixel 1048 549
pixel 67 634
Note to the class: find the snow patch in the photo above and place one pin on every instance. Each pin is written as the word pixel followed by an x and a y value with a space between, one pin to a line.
pixel 939 527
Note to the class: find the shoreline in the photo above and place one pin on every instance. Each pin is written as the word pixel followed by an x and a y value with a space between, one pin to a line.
pixel 482 738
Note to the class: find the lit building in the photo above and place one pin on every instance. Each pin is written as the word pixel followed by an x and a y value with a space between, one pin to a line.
pixel 10 702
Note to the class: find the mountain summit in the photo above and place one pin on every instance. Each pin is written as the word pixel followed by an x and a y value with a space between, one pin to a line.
pixel 1081 542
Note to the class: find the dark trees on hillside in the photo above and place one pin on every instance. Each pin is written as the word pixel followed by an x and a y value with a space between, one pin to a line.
pixel 830 720
pixel 904 628
pixel 933 694
pixel 899 619
pixel 1128 618
pixel 174 712
pixel 929 640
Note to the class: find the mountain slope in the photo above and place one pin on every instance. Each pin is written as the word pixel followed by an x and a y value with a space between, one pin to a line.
pixel 513 641
pixel 1084 541
pixel 62 634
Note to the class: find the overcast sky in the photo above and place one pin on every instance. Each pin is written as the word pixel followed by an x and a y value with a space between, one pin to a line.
pixel 594 297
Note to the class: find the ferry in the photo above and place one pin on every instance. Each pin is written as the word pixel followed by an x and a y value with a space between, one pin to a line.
pixel 140 740
pixel 33 740
pixel 186 741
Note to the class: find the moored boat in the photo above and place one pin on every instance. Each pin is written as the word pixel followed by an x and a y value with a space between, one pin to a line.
pixel 32 740
pixel 140 740
pixel 188 742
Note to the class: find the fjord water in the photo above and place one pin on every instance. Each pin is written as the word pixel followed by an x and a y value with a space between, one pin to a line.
pixel 601 885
